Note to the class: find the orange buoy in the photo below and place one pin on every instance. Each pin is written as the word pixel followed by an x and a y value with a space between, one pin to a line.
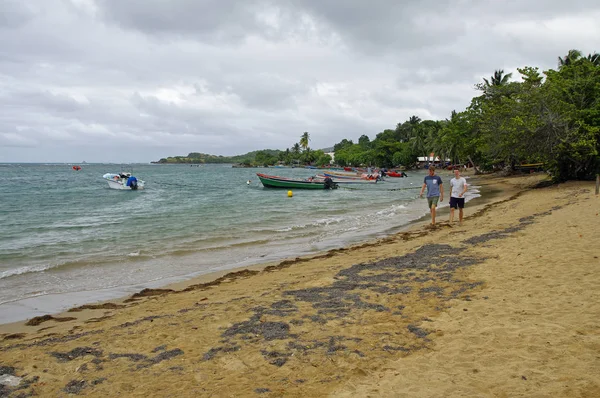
pixel 77 168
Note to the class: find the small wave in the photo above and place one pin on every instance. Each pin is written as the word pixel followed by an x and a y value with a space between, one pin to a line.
pixel 24 270
pixel 316 223
pixel 134 254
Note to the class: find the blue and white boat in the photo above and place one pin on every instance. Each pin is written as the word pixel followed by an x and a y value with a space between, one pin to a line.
pixel 123 181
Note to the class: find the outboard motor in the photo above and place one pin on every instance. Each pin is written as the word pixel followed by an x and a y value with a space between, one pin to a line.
pixel 329 184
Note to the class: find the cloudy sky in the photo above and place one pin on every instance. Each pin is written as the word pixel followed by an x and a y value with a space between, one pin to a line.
pixel 138 80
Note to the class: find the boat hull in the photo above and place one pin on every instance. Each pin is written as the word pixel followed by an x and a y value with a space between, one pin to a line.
pixel 282 182
pixel 121 185
pixel 347 180
pixel 116 182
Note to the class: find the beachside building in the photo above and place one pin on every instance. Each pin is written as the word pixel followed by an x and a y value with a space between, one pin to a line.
pixel 425 160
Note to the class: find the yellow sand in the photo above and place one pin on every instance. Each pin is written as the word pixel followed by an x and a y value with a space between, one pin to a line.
pixel 426 313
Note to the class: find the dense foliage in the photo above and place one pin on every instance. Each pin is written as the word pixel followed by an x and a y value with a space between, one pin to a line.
pixel 552 117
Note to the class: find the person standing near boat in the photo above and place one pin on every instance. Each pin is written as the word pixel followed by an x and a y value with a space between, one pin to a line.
pixel 458 187
pixel 435 191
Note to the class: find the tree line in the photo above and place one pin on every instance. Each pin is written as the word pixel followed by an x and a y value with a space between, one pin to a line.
pixel 552 117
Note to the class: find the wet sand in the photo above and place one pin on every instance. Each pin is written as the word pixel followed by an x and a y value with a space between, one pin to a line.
pixel 505 305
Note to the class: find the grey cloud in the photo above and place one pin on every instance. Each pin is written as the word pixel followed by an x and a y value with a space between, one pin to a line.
pixel 228 20
pixel 15 13
pixel 227 77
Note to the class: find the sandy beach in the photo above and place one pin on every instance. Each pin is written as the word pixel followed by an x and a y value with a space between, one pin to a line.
pixel 504 306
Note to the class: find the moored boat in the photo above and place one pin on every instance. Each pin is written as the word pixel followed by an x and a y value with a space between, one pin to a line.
pixel 361 181
pixel 269 181
pixel 396 174
pixel 123 181
pixel 373 177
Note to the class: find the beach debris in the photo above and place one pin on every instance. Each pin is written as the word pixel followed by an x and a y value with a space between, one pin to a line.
pixel 10 380
pixel 40 319
pixel 151 292
pixel 14 336
pixel 76 353
pixel 146 319
pixel 104 306
pixel 75 386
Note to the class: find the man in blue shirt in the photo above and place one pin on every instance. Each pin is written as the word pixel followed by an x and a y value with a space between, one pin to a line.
pixel 435 191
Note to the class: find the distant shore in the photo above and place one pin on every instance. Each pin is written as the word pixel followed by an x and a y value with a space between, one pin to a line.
pixel 482 309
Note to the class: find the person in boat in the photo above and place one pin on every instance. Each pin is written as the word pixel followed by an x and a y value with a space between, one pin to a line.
pixel 435 191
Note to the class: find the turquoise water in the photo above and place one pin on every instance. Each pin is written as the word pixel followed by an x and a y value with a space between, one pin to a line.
pixel 67 239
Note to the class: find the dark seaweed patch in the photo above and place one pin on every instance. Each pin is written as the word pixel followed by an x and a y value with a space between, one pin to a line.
pixel 40 319
pixel 417 331
pixel 523 222
pixel 104 306
pixel 256 327
pixel 146 319
pixel 7 370
pixel 390 348
pixel 133 357
pixel 210 354
pixel 275 357
pixel 76 353
pixel 75 386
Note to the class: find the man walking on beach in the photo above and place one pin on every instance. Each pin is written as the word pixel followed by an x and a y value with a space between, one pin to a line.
pixel 435 191
pixel 458 187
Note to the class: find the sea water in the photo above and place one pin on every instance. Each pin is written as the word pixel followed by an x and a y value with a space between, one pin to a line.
pixel 67 239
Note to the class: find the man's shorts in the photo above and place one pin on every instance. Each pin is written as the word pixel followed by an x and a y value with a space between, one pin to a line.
pixel 433 201
pixel 457 202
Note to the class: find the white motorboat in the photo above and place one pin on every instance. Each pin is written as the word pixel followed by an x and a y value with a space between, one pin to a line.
pixel 123 181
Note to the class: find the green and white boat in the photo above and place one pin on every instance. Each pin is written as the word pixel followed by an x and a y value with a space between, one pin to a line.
pixel 289 183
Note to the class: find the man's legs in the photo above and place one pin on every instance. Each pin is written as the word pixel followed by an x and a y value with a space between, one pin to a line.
pixel 460 215
pixel 432 202
pixel 452 215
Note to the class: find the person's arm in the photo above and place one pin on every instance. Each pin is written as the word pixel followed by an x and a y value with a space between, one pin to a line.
pixel 422 189
pixel 441 191
pixel 464 189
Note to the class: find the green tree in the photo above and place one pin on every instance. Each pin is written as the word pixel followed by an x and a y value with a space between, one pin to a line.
pixel 498 79
pixel 342 144
pixel 323 159
pixel 304 139
pixel 364 141
pixel 571 57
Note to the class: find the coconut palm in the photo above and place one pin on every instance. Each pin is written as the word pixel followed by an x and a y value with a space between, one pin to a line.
pixel 304 140
pixel 497 79
pixel 571 57
pixel 594 58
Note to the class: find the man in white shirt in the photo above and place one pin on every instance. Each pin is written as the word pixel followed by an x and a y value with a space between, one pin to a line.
pixel 458 187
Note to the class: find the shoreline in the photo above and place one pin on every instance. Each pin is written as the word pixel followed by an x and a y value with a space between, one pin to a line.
pixel 482 309
pixel 46 305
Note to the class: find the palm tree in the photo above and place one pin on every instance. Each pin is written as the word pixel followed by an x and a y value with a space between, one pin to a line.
pixel 497 79
pixel 304 140
pixel 414 120
pixel 594 58
pixel 571 57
